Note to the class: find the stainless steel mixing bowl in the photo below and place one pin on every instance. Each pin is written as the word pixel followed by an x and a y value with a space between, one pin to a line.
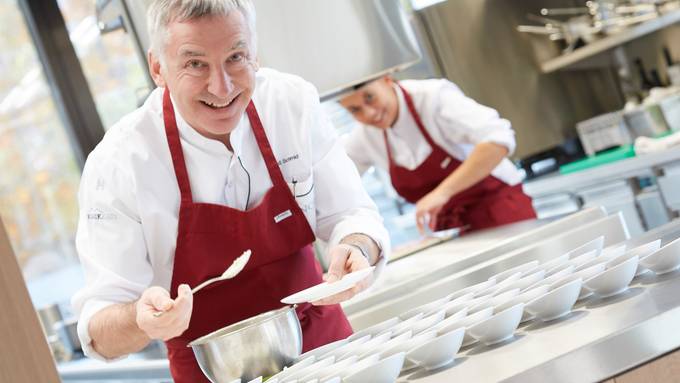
pixel 258 346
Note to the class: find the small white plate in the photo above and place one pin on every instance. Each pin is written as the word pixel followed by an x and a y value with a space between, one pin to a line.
pixel 325 290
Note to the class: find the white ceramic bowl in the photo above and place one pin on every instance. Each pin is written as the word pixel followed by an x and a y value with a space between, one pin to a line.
pixel 500 277
pixel 467 322
pixel 373 330
pixel 384 371
pixel 583 258
pixel 457 304
pixel 641 252
pixel 551 264
pixel 664 260
pixel 501 326
pixel 427 323
pixel 527 280
pixel 371 344
pixel 439 351
pixel 501 286
pixel 560 267
pixel 359 365
pixel 309 372
pixel 451 319
pixel 596 244
pixel 301 365
pixel 337 368
pixel 584 275
pixel 323 350
pixel 390 345
pixel 386 344
pixel 614 280
pixel 493 301
pixel 409 345
pixel 405 325
pixel 479 287
pixel 553 278
pixel 556 303
pixel 614 250
pixel 347 348
pixel 426 308
pixel 524 297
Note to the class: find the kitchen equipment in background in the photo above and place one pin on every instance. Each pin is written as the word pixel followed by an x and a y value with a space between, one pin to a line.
pixel 548 161
pixel 669 186
pixel 672 68
pixel 645 121
pixel 651 207
pixel 49 316
pixel 258 346
pixel 359 39
pixel 603 132
pixel 586 24
pixel 614 197
pixel 670 109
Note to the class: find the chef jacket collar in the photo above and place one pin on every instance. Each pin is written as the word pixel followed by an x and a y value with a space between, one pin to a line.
pixel 209 145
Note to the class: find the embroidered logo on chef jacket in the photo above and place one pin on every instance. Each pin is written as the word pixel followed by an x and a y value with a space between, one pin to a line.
pixel 445 163
pixel 280 217
pixel 98 215
pixel 288 159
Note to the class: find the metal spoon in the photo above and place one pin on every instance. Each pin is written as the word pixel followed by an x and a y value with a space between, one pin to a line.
pixel 233 270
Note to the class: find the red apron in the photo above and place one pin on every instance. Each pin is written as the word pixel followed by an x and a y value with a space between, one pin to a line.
pixel 489 203
pixel 211 236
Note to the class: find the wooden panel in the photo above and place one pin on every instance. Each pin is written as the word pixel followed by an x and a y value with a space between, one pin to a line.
pixel 661 370
pixel 30 359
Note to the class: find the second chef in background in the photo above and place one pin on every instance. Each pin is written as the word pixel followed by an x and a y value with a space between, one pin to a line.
pixel 444 152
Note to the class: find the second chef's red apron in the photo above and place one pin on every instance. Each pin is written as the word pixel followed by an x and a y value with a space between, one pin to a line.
pixel 211 236
pixel 489 203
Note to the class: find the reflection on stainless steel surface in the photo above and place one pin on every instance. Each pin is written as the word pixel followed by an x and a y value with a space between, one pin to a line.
pixel 356 40
pixel 258 346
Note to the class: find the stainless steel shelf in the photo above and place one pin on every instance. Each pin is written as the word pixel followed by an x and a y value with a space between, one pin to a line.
pixel 610 42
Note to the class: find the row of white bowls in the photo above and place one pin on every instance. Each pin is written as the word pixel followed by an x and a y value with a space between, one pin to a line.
pixel 489 312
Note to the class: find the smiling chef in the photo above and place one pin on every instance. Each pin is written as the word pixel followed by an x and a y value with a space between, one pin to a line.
pixel 221 158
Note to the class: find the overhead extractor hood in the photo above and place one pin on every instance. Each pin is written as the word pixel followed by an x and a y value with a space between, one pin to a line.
pixel 335 44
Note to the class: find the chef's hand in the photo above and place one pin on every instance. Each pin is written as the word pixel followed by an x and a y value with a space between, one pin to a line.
pixel 176 313
pixel 428 208
pixel 345 259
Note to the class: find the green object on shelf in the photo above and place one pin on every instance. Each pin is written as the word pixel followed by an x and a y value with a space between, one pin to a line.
pixel 625 151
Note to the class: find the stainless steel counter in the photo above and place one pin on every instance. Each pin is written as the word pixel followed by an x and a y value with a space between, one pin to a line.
pixel 600 339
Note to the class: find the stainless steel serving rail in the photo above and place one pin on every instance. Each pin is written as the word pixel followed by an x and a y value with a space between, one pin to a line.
pixel 486 246
pixel 481 266
pixel 600 339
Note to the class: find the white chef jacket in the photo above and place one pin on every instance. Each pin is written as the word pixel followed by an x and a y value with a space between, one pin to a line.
pixel 129 197
pixel 455 122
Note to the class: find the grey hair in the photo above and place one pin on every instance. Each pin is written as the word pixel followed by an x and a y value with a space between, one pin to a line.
pixel 162 12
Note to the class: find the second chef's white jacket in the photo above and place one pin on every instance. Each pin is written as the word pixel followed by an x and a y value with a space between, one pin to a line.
pixel 129 198
pixel 454 121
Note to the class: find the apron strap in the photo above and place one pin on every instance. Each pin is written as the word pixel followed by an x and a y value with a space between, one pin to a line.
pixel 172 135
pixel 265 148
pixel 416 116
pixel 419 123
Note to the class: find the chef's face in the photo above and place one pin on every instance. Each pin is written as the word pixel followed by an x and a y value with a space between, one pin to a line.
pixel 208 67
pixel 374 104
